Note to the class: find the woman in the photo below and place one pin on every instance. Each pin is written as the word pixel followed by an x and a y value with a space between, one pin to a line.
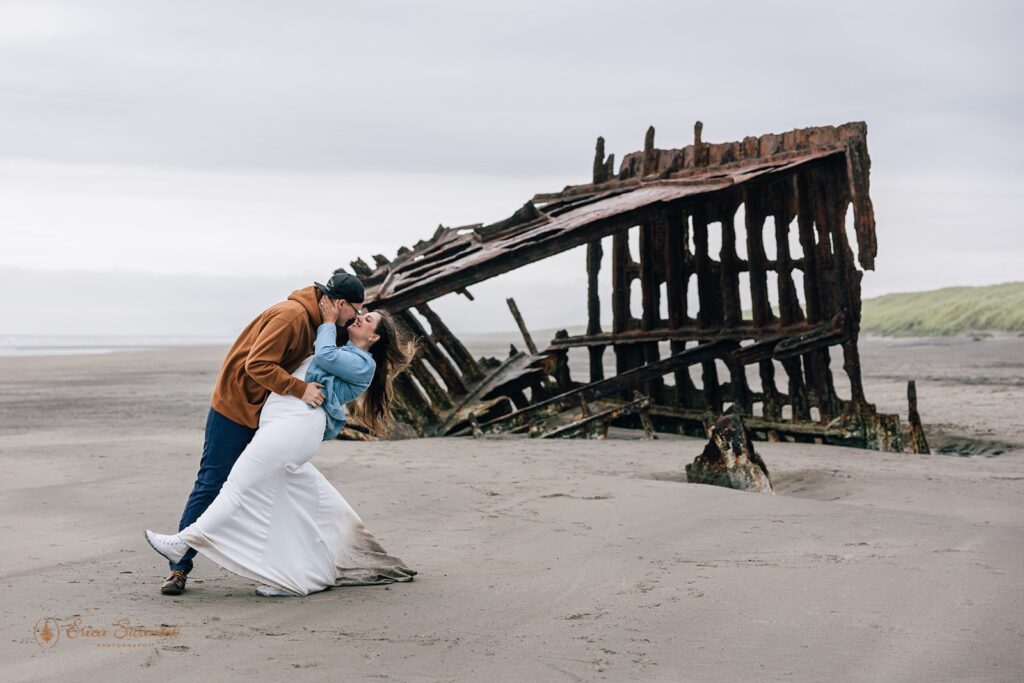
pixel 277 519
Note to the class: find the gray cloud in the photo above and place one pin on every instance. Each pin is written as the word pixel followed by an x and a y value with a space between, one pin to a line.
pixel 204 140
pixel 464 87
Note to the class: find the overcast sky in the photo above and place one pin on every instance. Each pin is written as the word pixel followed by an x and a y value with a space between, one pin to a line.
pixel 218 154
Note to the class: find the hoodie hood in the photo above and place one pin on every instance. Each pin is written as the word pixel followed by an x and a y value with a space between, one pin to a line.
pixel 306 297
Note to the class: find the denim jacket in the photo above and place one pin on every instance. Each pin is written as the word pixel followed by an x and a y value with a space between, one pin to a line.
pixel 345 372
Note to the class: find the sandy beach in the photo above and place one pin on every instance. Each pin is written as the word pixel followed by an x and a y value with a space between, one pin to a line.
pixel 537 560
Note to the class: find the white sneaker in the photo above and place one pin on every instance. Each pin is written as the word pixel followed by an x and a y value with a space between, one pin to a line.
pixel 271 592
pixel 171 547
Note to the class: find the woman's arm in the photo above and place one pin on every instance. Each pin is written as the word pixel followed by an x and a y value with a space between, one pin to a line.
pixel 342 362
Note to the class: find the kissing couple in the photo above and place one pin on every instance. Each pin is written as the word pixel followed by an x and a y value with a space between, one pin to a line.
pixel 259 508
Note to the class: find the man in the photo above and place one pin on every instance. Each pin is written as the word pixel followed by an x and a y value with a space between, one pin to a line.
pixel 260 361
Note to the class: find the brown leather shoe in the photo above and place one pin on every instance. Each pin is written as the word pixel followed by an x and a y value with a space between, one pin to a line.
pixel 175 583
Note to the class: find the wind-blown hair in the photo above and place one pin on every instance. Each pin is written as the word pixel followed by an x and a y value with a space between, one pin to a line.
pixel 393 352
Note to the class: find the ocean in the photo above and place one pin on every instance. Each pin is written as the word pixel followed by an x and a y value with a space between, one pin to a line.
pixel 78 345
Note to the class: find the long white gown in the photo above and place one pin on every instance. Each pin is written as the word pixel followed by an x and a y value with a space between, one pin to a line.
pixel 279 521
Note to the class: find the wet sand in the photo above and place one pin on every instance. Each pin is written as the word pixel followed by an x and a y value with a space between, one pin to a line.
pixel 538 560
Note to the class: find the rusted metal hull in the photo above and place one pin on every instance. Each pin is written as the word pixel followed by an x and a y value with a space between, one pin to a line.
pixel 779 292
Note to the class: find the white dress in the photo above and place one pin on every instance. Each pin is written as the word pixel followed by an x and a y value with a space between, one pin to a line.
pixel 279 521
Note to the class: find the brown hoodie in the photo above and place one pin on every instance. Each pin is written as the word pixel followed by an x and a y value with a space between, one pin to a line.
pixel 264 356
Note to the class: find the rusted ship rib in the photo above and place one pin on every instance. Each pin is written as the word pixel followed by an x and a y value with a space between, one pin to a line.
pixel 770 363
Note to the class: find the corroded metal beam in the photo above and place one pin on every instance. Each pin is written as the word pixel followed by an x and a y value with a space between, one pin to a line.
pixel 627 381
pixel 595 425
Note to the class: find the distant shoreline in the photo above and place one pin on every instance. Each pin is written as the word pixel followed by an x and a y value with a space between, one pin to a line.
pixel 19 346
pixel 977 313
pixel 482 341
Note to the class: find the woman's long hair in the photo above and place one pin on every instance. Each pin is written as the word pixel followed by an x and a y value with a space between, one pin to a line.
pixel 393 352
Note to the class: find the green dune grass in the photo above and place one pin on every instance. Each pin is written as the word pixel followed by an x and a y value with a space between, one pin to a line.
pixel 948 311
pixel 936 313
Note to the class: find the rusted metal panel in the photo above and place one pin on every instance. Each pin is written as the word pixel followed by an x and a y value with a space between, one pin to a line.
pixel 458 257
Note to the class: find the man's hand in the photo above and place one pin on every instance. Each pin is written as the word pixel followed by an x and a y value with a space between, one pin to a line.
pixel 313 396
pixel 330 311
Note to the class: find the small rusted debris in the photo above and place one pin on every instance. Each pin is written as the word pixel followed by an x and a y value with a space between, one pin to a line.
pixel 361 268
pixel 475 426
pixel 729 459
pixel 599 168
pixel 644 411
pixel 584 407
pixel 918 442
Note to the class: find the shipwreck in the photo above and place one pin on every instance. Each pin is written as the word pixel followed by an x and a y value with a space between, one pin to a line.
pixel 747 257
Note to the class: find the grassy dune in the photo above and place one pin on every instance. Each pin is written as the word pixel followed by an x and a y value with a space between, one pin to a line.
pixel 943 312
pixel 936 313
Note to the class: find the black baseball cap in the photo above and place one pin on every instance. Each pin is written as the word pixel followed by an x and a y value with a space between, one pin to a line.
pixel 342 285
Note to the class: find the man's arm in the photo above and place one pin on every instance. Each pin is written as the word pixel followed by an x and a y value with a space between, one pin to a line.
pixel 263 363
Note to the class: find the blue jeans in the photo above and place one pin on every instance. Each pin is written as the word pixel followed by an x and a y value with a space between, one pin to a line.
pixel 225 441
